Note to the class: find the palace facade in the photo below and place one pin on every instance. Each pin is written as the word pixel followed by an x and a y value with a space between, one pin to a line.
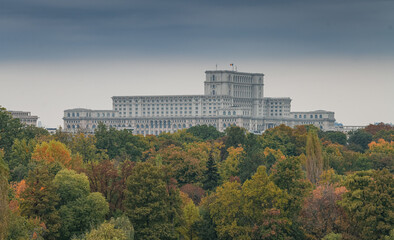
pixel 230 98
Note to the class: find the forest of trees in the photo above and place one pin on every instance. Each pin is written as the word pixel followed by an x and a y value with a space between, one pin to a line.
pixel 199 183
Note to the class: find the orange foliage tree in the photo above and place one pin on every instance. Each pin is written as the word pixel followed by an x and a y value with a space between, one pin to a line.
pixel 55 151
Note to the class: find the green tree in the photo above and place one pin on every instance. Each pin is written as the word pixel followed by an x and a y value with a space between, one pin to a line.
pixel 121 144
pixel 288 175
pixel 254 157
pixel 33 132
pixel 125 225
pixel 226 212
pixel 314 157
pixel 264 201
pixel 106 231
pixel 70 186
pixel 10 129
pixel 333 236
pixel 359 140
pixel 152 203
pixel 79 209
pixel 205 132
pixel 369 203
pixel 4 211
pixel 289 141
pixel 85 146
pixel 235 136
pixel 39 200
pixel 20 158
pixel 211 174
pixel 334 137
pixel 21 228
pixel 191 216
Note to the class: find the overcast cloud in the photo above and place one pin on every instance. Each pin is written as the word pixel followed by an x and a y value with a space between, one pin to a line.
pixel 42 38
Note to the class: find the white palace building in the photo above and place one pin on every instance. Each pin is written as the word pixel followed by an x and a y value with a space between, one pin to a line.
pixel 230 98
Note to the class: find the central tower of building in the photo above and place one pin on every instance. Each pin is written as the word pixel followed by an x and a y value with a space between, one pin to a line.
pixel 245 89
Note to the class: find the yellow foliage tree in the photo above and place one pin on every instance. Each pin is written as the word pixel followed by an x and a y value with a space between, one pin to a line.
pixel 230 166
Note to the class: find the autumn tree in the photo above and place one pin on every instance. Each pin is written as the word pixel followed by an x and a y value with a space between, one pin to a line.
pixel 373 129
pixel 381 154
pixel 226 212
pixel 263 205
pixel 151 204
pixel 186 167
pixel 230 166
pixel 109 178
pixel 190 216
pixel 314 157
pixel 195 193
pixel 369 203
pixel 322 215
pixel 56 152
pixel 39 200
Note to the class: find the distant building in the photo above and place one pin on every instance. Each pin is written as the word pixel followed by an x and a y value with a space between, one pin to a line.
pixel 25 117
pixel 51 130
pixel 230 98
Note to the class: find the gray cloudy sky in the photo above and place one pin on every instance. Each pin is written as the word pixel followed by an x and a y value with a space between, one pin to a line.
pixel 335 55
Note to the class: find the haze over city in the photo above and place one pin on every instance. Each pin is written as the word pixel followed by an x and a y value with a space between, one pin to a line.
pixel 334 55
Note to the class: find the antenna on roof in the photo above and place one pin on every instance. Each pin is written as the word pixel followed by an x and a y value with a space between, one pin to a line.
pixel 216 67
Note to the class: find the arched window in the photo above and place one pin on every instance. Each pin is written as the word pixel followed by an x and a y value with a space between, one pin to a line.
pixel 179 125
pixel 94 126
pixel 68 126
pixel 213 92
pixel 224 125
pixel 234 113
pixel 138 126
pixel 68 114
pixel 184 125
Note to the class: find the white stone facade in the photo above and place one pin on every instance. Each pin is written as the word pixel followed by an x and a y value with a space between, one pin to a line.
pixel 25 117
pixel 230 98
